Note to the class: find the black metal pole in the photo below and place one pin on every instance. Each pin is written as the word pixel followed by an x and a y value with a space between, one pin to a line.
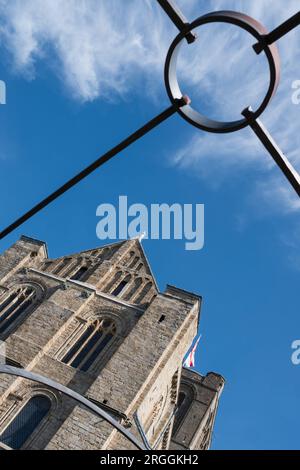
pixel 177 17
pixel 277 33
pixel 280 159
pixel 96 164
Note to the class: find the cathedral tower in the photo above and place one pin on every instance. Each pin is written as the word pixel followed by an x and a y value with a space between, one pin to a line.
pixel 97 323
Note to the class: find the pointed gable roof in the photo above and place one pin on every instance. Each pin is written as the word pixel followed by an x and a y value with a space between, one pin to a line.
pixel 144 260
pixel 94 252
pixel 111 248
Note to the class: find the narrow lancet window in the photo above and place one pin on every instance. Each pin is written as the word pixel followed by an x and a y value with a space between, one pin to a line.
pixel 14 305
pixel 26 421
pixel 90 344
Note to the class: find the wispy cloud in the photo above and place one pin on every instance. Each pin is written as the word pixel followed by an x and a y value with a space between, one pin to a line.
pixel 98 48
pixel 106 49
pixel 217 157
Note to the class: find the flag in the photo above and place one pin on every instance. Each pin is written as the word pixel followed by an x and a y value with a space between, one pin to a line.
pixel 190 360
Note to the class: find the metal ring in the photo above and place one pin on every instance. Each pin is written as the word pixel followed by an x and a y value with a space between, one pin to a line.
pixel 9 370
pixel 245 22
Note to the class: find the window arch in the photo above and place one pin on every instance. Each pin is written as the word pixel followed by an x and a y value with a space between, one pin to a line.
pixel 105 254
pixel 181 398
pixel 61 265
pixel 134 262
pixel 136 284
pixel 139 267
pixel 47 265
pixel 128 258
pixel 79 274
pixel 26 421
pixel 115 279
pixel 14 305
pixel 121 286
pixel 185 398
pixel 90 344
pixel 144 292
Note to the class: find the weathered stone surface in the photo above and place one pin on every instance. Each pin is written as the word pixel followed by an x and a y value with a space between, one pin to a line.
pixel 139 370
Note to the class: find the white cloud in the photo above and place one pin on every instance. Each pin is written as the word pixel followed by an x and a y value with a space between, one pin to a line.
pixel 216 157
pixel 107 48
pixel 277 195
pixel 98 48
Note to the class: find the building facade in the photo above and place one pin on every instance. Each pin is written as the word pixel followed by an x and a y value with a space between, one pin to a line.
pixel 97 323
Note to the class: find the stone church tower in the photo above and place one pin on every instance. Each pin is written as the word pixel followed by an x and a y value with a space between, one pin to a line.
pixel 97 323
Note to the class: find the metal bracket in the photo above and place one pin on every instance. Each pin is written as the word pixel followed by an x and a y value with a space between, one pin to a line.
pixel 277 33
pixel 179 20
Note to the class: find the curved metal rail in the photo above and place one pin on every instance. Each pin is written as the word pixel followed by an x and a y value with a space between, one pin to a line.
pixel 9 370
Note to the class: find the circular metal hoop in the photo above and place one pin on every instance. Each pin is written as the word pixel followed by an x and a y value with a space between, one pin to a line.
pixel 257 30
pixel 9 370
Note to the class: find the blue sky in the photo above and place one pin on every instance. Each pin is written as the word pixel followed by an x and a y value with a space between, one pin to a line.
pixel 82 75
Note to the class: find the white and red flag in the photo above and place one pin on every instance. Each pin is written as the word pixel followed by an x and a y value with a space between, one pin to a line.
pixel 190 360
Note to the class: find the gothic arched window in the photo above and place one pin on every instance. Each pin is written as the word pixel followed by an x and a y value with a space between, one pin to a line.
pixel 90 344
pixel 128 258
pixel 105 254
pixel 134 262
pixel 185 398
pixel 62 264
pixel 79 274
pixel 113 281
pixel 26 421
pixel 15 304
pixel 121 286
pixel 136 285
pixel 47 265
pixel 181 399
pixel 144 292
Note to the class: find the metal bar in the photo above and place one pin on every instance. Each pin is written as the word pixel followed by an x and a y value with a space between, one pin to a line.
pixel 277 33
pixel 177 17
pixel 280 159
pixel 96 164
pixel 141 431
pixel 157 442
pixel 9 370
